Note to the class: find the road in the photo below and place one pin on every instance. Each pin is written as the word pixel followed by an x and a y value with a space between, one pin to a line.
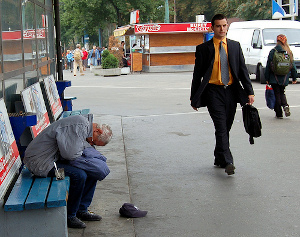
pixel 161 160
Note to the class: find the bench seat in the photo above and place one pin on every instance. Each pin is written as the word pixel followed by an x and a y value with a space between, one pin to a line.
pixel 39 206
pixel 31 192
pixel 75 112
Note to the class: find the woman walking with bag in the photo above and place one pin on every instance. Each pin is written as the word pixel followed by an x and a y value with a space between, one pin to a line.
pixel 280 66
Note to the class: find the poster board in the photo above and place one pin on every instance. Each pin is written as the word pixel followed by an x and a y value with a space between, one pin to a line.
pixel 53 98
pixel 33 101
pixel 10 160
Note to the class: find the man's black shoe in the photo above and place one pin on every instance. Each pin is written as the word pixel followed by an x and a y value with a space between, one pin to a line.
pixel 88 216
pixel 74 222
pixel 229 169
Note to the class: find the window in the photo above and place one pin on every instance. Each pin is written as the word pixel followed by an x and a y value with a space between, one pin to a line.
pixel 27 46
pixel 11 35
pixel 256 40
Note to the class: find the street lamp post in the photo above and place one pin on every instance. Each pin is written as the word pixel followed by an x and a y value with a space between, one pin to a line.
pixel 167 18
pixel 174 11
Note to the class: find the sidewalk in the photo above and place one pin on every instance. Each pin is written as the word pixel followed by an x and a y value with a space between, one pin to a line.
pixel 113 191
pixel 161 160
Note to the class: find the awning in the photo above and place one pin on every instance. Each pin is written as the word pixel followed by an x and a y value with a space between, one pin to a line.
pixel 125 30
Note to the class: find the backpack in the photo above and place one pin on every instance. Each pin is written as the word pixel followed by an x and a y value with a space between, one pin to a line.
pixel 77 55
pixel 252 122
pixel 281 63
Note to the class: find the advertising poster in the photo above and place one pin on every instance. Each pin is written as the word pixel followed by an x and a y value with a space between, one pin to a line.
pixel 9 155
pixel 34 102
pixel 53 97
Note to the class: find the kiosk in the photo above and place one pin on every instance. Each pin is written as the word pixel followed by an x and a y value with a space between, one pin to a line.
pixel 165 47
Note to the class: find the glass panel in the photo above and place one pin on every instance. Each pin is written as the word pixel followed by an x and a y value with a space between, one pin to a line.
pixel 29 33
pixel 50 41
pixel 41 35
pixel 48 3
pixel 44 70
pixel 13 86
pixel 1 92
pixel 11 35
pixel 50 35
pixel 270 35
pixel 53 69
pixel 31 78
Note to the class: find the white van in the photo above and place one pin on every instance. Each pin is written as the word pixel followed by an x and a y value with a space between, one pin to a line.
pixel 257 38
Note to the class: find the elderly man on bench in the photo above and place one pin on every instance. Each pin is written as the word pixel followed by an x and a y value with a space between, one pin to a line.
pixel 70 143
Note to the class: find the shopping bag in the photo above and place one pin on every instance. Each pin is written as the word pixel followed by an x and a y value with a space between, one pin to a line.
pixel 270 97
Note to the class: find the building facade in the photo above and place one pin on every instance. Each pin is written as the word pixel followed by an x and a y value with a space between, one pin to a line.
pixel 27 45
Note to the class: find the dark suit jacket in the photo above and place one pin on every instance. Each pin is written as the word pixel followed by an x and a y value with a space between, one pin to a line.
pixel 205 54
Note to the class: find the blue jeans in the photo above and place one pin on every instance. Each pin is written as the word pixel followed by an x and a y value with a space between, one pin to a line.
pixel 94 61
pixel 81 191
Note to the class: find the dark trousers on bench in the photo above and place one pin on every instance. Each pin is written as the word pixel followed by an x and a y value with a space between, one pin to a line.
pixel 81 191
pixel 221 105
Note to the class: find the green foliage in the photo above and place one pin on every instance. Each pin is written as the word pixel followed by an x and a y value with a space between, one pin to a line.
pixel 244 9
pixel 255 10
pixel 186 10
pixel 105 54
pixel 87 16
pixel 110 61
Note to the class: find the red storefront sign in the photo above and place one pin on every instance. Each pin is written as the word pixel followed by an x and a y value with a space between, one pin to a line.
pixel 27 34
pixel 171 28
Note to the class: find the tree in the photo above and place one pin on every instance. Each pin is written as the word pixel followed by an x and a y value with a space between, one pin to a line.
pixel 255 10
pixel 186 10
pixel 244 9
pixel 87 16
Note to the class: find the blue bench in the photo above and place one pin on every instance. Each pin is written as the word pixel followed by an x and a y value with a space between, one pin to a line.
pixel 35 206
pixel 39 205
pixel 31 192
pixel 75 112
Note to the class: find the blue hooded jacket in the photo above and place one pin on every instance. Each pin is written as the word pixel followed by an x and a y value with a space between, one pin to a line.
pixel 93 162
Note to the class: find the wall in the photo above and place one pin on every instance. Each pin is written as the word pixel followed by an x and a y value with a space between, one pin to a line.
pixel 171 52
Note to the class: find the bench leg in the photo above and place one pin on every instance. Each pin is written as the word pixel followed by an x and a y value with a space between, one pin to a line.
pixel 36 223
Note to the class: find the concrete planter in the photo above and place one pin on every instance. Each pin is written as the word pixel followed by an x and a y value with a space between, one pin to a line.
pixel 125 70
pixel 107 72
pixel 95 68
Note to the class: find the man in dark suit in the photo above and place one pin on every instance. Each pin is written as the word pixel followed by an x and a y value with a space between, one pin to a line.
pixel 221 90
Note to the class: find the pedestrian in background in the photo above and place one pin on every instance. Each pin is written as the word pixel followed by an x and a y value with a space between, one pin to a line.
pixel 279 82
pixel 70 60
pixel 94 55
pixel 84 59
pixel 219 74
pixel 78 60
pixel 99 56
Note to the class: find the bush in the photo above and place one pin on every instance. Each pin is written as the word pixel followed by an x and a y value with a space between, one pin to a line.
pixel 110 61
pixel 105 54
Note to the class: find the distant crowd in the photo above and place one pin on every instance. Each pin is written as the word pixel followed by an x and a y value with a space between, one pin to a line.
pixel 82 58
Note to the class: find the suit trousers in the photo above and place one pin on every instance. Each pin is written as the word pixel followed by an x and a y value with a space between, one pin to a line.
pixel 221 105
